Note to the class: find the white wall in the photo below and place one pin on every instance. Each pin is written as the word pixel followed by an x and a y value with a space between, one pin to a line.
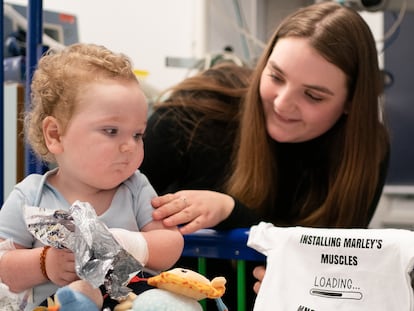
pixel 147 31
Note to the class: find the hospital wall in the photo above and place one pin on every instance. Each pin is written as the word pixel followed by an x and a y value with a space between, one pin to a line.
pixel 151 32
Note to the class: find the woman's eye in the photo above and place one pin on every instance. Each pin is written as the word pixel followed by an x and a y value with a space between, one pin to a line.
pixel 276 77
pixel 314 97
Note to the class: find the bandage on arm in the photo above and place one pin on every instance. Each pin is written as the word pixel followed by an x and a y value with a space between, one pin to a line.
pixel 133 242
pixel 5 246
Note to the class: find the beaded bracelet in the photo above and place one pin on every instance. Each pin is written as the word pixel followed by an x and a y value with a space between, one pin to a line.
pixel 43 261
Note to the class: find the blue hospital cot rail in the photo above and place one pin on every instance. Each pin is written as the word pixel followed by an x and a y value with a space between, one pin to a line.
pixel 229 244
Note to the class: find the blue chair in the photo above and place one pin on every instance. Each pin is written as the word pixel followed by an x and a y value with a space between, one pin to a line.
pixel 229 244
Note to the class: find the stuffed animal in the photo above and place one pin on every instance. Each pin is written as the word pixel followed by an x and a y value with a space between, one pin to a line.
pixel 189 283
pixel 177 290
pixel 79 295
pixel 159 300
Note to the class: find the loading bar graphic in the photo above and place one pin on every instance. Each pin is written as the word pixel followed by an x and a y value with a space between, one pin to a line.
pixel 336 294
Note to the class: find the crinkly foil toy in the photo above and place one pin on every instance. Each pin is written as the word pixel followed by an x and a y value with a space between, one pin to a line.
pixel 99 258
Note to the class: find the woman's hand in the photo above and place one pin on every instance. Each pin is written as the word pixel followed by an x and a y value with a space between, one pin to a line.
pixel 194 209
pixel 258 273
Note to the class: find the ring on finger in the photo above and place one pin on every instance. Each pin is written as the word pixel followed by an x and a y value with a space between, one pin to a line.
pixel 184 199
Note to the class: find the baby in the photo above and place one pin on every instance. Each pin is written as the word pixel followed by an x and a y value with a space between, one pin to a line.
pixel 87 120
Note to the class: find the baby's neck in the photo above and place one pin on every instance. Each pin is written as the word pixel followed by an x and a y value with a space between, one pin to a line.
pixel 100 199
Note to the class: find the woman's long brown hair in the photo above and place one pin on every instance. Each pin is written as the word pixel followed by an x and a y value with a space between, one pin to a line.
pixel 343 38
pixel 215 94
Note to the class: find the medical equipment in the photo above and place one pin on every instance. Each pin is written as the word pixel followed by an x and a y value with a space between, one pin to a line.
pixel 59 29
pixel 376 5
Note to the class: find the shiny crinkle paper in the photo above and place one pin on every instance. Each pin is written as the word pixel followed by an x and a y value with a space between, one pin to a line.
pixel 98 256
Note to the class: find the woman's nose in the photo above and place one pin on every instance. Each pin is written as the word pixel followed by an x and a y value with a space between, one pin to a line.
pixel 284 101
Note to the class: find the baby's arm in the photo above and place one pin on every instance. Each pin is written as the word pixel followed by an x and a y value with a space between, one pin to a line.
pixel 20 268
pixel 165 245
pixel 155 246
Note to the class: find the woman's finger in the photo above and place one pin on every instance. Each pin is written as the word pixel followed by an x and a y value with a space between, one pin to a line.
pixel 256 287
pixel 170 209
pixel 259 272
pixel 162 200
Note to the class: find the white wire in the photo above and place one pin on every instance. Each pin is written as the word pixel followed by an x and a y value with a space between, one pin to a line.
pixel 261 44
pixel 397 23
pixel 242 31
pixel 243 24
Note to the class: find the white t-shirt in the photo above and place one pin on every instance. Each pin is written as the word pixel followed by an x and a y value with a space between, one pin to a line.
pixel 334 269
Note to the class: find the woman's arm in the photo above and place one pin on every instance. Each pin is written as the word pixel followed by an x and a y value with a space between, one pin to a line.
pixel 241 216
pixel 197 209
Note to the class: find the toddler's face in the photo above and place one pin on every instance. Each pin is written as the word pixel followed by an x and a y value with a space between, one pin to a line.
pixel 103 145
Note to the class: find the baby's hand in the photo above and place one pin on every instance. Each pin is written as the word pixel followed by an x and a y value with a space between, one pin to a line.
pixel 60 266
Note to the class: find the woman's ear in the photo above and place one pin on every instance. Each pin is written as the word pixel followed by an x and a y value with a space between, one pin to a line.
pixel 346 108
pixel 52 133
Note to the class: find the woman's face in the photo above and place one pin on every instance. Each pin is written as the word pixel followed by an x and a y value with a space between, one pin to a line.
pixel 302 93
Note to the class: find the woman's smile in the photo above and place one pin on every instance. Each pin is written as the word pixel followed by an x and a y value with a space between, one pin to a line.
pixel 284 119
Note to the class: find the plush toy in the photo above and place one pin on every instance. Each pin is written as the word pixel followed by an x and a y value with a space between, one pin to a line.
pixel 160 300
pixel 177 290
pixel 79 295
pixel 189 283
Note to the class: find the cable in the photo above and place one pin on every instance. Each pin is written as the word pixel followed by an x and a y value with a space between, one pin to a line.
pixel 242 24
pixel 257 42
pixel 397 22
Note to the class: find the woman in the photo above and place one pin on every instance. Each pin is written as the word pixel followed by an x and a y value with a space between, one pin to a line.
pixel 312 147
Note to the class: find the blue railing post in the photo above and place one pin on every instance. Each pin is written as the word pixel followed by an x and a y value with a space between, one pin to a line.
pixel 2 103
pixel 34 51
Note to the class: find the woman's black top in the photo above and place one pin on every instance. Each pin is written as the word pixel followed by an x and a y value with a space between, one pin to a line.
pixel 171 164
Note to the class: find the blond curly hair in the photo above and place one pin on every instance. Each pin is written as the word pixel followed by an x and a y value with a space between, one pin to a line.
pixel 61 76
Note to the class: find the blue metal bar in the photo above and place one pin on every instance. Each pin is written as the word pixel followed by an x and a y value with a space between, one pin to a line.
pixel 230 244
pixel 2 103
pixel 34 52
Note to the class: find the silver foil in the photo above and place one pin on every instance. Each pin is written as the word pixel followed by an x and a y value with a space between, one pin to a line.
pixel 99 258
